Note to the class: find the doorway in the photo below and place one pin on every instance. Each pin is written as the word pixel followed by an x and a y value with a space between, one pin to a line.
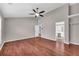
pixel 60 35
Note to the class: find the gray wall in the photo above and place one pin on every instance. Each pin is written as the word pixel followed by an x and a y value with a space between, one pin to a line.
pixel 49 20
pixel 2 30
pixel 19 28
pixel 74 30
pixel 74 24
pixel 74 9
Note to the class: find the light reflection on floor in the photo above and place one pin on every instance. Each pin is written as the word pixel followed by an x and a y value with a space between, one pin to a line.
pixel 60 46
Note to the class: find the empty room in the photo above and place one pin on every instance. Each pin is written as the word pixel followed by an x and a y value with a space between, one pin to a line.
pixel 39 29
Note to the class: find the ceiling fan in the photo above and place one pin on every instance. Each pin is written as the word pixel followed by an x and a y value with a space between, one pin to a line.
pixel 37 13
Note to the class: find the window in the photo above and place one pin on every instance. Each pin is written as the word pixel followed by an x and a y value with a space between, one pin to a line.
pixel 59 29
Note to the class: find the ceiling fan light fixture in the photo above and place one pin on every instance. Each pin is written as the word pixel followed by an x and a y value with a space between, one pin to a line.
pixel 37 14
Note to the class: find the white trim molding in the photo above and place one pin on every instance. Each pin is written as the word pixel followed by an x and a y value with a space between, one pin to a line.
pixel 73 15
pixel 74 43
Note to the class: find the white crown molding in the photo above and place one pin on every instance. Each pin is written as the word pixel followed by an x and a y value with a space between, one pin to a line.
pixel 72 4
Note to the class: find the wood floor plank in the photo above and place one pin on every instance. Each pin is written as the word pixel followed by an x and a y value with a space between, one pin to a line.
pixel 37 47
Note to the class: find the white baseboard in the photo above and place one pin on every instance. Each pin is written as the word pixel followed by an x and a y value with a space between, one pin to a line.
pixel 49 38
pixel 9 40
pixel 54 39
pixel 12 40
pixel 74 43
pixel 2 45
pixel 66 42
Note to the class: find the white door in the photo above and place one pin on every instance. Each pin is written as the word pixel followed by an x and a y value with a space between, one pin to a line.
pixel 37 30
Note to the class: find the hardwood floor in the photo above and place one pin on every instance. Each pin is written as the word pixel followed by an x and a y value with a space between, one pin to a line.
pixel 37 47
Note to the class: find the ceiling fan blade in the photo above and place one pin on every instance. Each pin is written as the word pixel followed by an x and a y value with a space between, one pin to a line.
pixel 34 10
pixel 37 10
pixel 41 15
pixel 32 13
pixel 42 12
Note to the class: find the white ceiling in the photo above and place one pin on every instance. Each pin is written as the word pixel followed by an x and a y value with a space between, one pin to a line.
pixel 23 9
